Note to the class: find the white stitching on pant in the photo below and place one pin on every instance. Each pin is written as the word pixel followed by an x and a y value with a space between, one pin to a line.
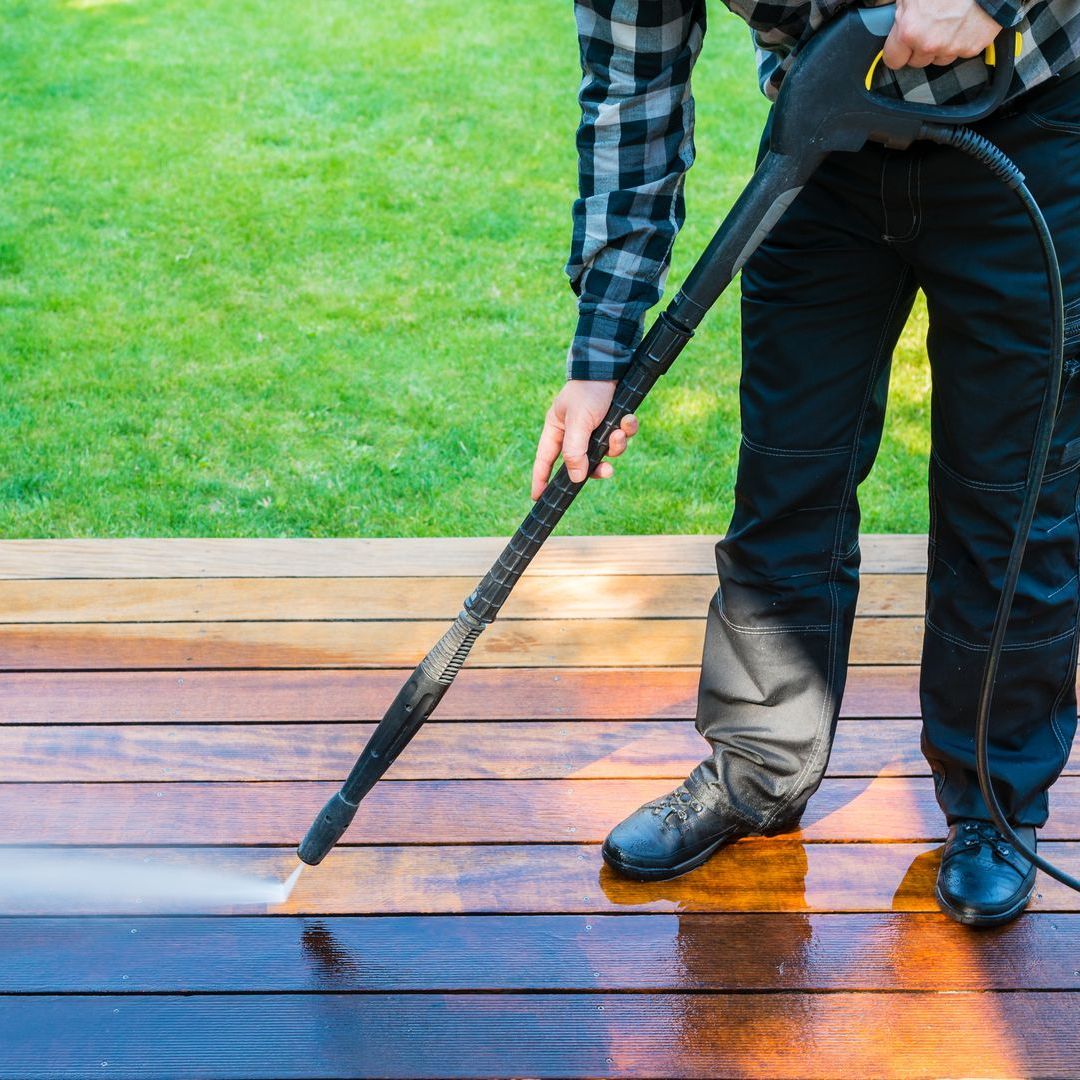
pixel 1060 587
pixel 1018 646
pixel 961 479
pixel 813 628
pixel 776 451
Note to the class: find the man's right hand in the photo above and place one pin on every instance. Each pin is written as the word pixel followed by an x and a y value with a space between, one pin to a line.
pixel 577 411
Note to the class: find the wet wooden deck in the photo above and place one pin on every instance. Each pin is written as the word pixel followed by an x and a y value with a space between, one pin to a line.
pixel 200 700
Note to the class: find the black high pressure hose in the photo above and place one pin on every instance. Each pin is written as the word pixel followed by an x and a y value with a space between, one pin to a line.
pixel 986 153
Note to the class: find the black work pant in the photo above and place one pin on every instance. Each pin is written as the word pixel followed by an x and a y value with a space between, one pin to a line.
pixel 824 301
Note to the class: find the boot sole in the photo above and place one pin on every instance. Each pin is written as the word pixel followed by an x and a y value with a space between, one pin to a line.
pixel 971 917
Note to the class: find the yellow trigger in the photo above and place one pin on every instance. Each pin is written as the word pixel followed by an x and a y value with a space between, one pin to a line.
pixel 990 56
pixel 873 67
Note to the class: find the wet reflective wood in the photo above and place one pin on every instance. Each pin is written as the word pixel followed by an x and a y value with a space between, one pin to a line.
pixel 481 1035
pixel 445 812
pixel 685 952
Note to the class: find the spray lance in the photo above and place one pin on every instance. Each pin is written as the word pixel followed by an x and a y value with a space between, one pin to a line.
pixel 825 104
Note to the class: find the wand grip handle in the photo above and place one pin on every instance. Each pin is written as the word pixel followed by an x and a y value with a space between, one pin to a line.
pixel 656 353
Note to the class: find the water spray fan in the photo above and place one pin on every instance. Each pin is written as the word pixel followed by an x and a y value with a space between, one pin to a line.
pixel 826 104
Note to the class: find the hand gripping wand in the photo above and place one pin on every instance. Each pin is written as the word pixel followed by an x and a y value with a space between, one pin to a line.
pixel 824 105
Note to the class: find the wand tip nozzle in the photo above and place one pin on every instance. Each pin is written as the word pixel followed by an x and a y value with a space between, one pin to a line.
pixel 326 830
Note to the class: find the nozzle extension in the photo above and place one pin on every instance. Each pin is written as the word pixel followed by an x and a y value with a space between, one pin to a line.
pixel 327 829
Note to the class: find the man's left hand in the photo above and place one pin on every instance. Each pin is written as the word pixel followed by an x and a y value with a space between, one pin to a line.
pixel 937 32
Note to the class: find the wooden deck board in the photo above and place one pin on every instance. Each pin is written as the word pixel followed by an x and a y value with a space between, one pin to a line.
pixel 189 704
pixel 447 811
pixel 566 596
pixel 192 696
pixel 395 557
pixel 546 643
pixel 466 750
pixel 782 874
pixel 688 951
pixel 559 1035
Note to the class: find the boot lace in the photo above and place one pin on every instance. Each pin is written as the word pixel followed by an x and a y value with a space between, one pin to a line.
pixel 679 802
pixel 976 833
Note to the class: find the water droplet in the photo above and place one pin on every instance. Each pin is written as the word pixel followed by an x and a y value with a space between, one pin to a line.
pixel 599 1008
pixel 585 899
pixel 596 974
pixel 588 926
pixel 123 976
pixel 133 930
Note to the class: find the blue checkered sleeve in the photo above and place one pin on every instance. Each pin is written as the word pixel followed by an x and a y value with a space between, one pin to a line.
pixel 635 143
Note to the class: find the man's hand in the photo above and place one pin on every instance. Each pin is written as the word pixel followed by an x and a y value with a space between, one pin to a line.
pixel 575 414
pixel 937 32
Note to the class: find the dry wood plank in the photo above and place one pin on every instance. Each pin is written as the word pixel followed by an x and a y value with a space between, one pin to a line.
pixel 543 1035
pixel 395 557
pixel 777 875
pixel 446 812
pixel 337 695
pixel 686 952
pixel 516 643
pixel 491 750
pixel 597 596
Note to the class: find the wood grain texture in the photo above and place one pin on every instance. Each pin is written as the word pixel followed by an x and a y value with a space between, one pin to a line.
pixel 336 695
pixel 395 557
pixel 681 952
pixel 446 812
pixel 780 874
pixel 516 643
pixel 553 1035
pixel 595 596
pixel 489 750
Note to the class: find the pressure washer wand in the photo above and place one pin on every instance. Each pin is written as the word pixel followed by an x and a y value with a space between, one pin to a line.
pixel 825 104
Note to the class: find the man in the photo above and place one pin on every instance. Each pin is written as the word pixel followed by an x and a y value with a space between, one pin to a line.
pixel 824 301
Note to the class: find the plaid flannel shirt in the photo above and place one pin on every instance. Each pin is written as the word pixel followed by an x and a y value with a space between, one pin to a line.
pixel 635 141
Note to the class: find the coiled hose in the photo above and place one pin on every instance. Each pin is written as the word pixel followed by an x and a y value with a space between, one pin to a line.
pixel 986 153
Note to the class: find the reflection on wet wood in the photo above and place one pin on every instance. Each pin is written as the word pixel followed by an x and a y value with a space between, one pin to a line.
pixel 478 1035
pixel 685 952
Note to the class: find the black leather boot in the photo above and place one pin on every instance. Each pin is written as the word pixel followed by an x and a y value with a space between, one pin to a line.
pixel 672 835
pixel 983 880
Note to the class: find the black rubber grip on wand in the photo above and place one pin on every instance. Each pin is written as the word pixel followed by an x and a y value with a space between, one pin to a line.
pixel 655 354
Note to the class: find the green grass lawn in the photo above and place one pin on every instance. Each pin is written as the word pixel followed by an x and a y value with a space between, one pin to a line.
pixel 296 269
